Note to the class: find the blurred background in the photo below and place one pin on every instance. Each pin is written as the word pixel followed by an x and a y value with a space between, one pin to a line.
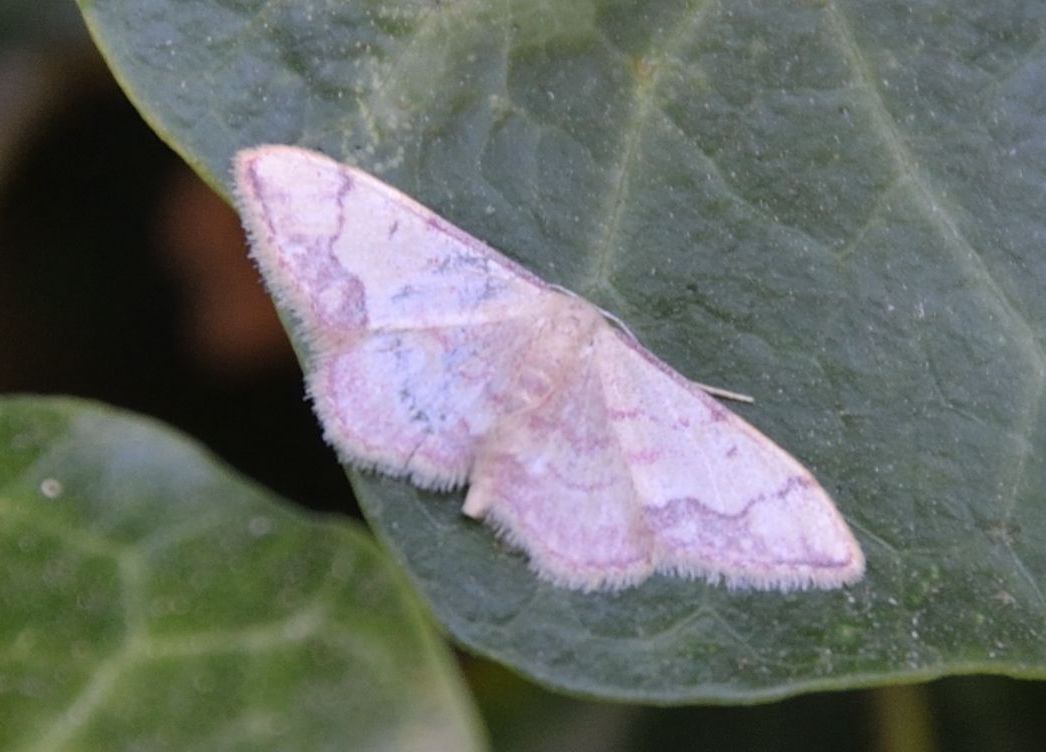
pixel 124 278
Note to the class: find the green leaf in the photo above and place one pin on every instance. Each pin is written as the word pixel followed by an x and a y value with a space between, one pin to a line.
pixel 833 206
pixel 151 599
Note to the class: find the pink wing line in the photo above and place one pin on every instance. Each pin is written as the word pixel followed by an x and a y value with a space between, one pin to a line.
pixel 411 326
pixel 627 469
pixel 347 252
pixel 718 499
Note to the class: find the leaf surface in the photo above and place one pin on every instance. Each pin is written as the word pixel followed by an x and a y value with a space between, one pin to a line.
pixel 833 206
pixel 152 599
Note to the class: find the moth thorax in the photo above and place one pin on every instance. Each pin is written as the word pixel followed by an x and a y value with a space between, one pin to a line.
pixel 559 341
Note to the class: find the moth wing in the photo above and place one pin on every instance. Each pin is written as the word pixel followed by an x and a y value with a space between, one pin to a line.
pixel 345 251
pixel 719 499
pixel 551 480
pixel 411 326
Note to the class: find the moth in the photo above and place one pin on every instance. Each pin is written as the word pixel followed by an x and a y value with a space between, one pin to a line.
pixel 431 356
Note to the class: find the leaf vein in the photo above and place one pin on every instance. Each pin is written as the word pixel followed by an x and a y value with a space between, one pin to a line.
pixel 941 217
pixel 647 82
